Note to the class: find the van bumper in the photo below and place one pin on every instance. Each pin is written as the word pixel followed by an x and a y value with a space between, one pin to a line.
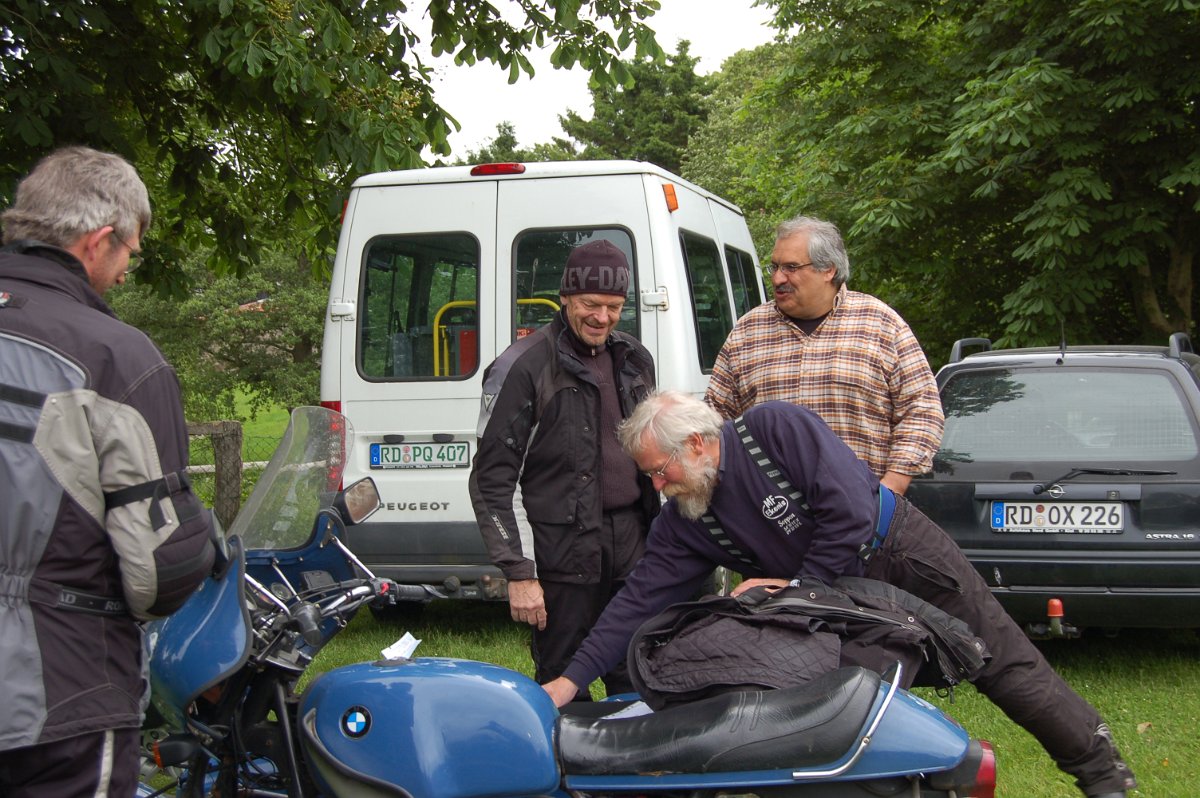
pixel 449 556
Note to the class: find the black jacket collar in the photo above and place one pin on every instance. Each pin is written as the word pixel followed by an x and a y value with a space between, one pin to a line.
pixel 71 279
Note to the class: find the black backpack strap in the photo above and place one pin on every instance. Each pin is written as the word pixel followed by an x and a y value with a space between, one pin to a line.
pixel 17 395
pixel 170 483
pixel 772 471
pixel 766 465
pixel 718 534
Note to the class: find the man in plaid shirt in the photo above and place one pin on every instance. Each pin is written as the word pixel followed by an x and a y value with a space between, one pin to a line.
pixel 843 354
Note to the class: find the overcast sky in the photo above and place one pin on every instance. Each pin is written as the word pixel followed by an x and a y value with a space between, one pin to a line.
pixel 480 97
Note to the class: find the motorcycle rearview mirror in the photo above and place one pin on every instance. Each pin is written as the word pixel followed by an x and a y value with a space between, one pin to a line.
pixel 356 503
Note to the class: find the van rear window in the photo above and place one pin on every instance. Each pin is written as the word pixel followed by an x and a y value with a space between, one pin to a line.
pixel 747 281
pixel 418 307
pixel 538 260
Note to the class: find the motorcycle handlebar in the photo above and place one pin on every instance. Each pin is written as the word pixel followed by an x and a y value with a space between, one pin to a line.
pixel 306 617
pixel 393 593
pixel 308 621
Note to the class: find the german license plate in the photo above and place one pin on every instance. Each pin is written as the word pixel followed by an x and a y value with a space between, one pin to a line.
pixel 1058 517
pixel 421 455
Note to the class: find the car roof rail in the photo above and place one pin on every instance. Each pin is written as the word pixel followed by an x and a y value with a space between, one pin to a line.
pixel 1179 343
pixel 984 344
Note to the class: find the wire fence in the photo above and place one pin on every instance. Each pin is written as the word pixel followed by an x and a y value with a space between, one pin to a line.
pixel 224 466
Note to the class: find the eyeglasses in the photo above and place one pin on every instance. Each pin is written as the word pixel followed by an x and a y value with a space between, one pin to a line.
pixel 662 472
pixel 788 268
pixel 135 255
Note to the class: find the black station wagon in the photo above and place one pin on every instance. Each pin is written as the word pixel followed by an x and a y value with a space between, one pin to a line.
pixel 1070 477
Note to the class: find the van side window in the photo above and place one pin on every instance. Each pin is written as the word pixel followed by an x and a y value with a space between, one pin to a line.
pixel 746 280
pixel 710 300
pixel 418 316
pixel 538 260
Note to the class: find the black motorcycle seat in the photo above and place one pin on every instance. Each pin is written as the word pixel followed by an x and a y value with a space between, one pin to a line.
pixel 795 727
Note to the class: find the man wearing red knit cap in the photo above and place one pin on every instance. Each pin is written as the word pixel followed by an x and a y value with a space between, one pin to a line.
pixel 562 508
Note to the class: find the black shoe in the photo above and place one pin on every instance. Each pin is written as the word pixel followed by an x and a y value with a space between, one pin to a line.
pixel 1118 763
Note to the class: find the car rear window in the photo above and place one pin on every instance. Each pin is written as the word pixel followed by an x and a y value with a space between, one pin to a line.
pixel 1085 416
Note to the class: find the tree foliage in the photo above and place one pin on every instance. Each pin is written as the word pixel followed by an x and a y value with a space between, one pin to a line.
pixel 721 152
pixel 649 116
pixel 504 148
pixel 248 118
pixel 1009 167
pixel 259 334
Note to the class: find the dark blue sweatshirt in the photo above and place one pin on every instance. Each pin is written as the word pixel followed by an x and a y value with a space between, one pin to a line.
pixel 783 540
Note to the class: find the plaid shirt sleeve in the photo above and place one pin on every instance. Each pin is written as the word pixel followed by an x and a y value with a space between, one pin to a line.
pixel 917 419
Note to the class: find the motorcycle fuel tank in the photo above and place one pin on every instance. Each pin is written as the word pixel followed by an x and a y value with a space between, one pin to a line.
pixel 437 728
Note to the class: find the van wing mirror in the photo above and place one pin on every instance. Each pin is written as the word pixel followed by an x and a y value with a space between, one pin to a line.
pixel 356 503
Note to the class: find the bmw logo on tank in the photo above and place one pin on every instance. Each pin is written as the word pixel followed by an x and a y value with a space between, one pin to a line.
pixel 356 721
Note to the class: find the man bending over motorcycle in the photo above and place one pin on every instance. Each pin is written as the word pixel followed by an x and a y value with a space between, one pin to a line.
pixel 833 519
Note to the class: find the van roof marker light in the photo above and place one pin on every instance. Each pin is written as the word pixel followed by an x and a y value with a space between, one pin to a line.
pixel 489 169
pixel 672 200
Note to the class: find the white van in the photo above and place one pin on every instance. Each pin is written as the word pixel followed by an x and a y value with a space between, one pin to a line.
pixel 439 270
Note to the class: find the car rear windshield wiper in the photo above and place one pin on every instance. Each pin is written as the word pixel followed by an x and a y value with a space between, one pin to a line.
pixel 1111 472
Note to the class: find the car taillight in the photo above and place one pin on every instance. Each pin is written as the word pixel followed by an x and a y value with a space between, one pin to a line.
pixel 985 774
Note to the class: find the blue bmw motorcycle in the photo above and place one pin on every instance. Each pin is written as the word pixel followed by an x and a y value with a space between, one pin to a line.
pixel 230 722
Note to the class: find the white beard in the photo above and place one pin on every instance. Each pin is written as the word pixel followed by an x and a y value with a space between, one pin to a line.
pixel 694 494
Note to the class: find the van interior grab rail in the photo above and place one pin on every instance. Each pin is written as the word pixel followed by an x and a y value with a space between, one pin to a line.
pixel 441 332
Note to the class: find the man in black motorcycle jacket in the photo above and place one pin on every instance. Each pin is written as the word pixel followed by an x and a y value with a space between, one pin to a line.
pixel 562 509
pixel 98 527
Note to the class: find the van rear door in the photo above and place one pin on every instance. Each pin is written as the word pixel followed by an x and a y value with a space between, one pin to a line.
pixel 700 245
pixel 420 270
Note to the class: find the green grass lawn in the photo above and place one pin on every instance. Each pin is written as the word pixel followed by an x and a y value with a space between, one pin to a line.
pixel 1146 684
pixel 261 434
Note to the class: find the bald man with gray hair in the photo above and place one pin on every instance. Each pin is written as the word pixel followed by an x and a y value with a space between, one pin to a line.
pixel 843 354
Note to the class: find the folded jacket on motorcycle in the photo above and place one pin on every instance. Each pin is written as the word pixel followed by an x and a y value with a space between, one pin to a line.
pixel 694 650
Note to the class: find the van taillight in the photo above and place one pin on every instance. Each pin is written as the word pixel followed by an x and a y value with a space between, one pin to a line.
pixel 339 429
pixel 488 169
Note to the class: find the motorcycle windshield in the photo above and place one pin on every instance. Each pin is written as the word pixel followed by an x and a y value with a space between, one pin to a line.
pixel 303 474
